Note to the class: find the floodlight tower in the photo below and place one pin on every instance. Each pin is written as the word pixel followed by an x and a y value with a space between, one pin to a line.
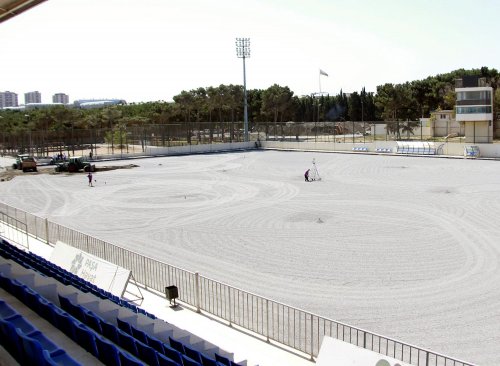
pixel 243 51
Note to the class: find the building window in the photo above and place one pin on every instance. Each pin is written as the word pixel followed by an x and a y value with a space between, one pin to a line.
pixel 474 95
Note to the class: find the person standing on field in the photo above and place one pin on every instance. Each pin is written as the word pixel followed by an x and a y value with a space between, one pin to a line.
pixel 306 175
pixel 90 179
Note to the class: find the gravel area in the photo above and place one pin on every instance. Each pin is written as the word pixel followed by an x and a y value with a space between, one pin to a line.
pixel 402 246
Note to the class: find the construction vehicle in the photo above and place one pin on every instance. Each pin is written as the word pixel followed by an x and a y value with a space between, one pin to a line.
pixel 25 162
pixel 75 164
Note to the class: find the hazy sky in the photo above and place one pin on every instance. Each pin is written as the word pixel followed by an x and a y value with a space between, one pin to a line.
pixel 146 50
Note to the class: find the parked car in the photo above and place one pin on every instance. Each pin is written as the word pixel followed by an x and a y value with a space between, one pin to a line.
pixel 25 162
pixel 75 164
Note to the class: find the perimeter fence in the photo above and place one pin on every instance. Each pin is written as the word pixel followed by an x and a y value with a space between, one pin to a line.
pixel 274 321
pixel 136 140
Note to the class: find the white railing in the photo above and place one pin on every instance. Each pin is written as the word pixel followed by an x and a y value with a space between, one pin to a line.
pixel 281 323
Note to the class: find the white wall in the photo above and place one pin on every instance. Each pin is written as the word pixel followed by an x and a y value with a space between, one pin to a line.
pixel 451 149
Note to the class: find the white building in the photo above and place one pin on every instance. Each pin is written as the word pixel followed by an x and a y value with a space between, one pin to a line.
pixel 8 99
pixel 442 123
pixel 60 98
pixel 474 108
pixel 32 97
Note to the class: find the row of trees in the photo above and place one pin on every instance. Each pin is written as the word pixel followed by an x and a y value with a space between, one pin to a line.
pixel 392 102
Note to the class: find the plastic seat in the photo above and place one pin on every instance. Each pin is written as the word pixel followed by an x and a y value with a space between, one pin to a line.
pixel 86 339
pixel 123 325
pixel 147 354
pixel 18 321
pixel 17 289
pixel 178 346
pixel 127 342
pixel 107 352
pixel 109 331
pixel 48 311
pixel 59 357
pixel 192 354
pixel 66 324
pixel 139 335
pixel 128 360
pixel 5 310
pixel 222 360
pixel 10 340
pixel 93 321
pixel 205 361
pixel 186 361
pixel 31 299
pixel 165 361
pixel 155 343
pixel 173 354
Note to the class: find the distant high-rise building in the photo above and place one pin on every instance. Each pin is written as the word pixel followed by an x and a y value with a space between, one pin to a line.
pixel 32 97
pixel 60 98
pixel 8 99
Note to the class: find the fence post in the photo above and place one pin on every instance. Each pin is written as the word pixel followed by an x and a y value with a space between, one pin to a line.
pixel 229 304
pixel 267 320
pixel 312 339
pixel 47 239
pixel 197 291
pixel 426 358
pixel 364 339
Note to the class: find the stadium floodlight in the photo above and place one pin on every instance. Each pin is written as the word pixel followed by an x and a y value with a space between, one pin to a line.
pixel 243 51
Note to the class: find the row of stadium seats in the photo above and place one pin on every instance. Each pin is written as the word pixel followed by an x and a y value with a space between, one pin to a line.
pixel 41 265
pixel 26 343
pixel 116 340
pixel 363 148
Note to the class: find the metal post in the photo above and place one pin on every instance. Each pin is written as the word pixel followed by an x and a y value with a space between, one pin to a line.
pixel 267 320
pixel 312 339
pixel 47 231
pixel 243 51
pixel 197 291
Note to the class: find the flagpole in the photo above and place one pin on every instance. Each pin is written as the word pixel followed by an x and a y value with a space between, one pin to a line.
pixel 319 79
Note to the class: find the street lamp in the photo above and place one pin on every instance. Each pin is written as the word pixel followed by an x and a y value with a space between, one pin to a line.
pixel 243 51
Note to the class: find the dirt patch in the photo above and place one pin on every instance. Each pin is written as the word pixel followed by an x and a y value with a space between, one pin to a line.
pixel 7 174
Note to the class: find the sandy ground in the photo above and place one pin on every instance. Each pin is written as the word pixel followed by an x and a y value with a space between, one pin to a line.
pixel 402 246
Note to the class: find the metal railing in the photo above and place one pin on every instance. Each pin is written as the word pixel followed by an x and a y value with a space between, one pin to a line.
pixel 281 323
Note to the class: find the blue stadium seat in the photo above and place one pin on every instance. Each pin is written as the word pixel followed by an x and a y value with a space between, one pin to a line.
pixel 124 325
pixel 155 343
pixel 10 340
pixel 222 360
pixel 178 346
pixel 5 310
pixel 147 354
pixel 165 361
pixel 127 342
pixel 192 353
pixel 205 361
pixel 93 321
pixel 186 361
pixel 86 339
pixel 110 331
pixel 139 335
pixel 59 357
pixel 128 360
pixel 66 324
pixel 18 321
pixel 107 352
pixel 173 354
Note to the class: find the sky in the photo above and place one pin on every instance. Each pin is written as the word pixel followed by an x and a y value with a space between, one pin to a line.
pixel 151 50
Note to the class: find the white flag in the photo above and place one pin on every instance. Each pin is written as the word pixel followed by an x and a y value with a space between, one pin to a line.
pixel 321 72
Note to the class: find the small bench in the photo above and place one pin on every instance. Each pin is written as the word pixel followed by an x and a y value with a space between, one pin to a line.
pixel 363 148
pixel 383 150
